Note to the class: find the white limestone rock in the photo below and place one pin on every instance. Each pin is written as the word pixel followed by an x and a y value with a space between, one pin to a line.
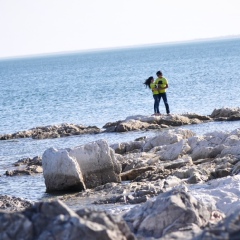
pixel 61 171
pixel 97 163
pixel 82 167
pixel 167 137
pixel 169 212
pixel 174 151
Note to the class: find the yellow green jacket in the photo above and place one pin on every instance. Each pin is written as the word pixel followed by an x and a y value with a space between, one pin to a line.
pixel 153 86
pixel 162 83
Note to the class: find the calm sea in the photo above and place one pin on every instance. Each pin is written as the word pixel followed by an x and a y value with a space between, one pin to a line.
pixel 94 88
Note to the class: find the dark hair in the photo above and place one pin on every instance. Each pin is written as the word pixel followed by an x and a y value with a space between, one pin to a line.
pixel 148 81
pixel 159 73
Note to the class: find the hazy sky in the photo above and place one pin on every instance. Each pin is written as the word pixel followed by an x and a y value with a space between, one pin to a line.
pixel 46 26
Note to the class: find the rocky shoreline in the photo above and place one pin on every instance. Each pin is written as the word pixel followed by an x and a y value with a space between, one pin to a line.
pixel 131 123
pixel 166 179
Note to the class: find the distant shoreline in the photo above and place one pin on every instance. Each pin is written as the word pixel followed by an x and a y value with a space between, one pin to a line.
pixel 231 37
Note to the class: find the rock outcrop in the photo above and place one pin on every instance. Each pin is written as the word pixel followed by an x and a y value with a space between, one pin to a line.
pixel 140 122
pixel 169 212
pixel 13 204
pixel 55 131
pixel 54 220
pixel 131 123
pixel 26 166
pixel 81 167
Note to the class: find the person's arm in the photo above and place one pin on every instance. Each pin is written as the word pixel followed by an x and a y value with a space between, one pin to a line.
pixel 164 83
pixel 165 87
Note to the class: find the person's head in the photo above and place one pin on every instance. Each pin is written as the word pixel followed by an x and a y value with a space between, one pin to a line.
pixel 149 81
pixel 159 73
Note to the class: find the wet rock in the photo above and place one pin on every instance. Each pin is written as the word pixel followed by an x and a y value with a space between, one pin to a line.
pixel 17 172
pixel 26 166
pixel 13 204
pixel 55 131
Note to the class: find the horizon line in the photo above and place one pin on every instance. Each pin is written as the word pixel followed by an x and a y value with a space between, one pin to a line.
pixel 236 36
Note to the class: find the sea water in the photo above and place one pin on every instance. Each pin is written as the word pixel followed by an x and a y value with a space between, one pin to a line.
pixel 93 88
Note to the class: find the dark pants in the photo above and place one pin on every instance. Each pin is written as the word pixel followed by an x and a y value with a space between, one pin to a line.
pixel 156 103
pixel 164 97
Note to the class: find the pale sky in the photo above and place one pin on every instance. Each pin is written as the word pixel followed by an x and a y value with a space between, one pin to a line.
pixel 46 26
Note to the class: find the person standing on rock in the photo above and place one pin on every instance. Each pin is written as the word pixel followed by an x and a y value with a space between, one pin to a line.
pixel 162 85
pixel 151 84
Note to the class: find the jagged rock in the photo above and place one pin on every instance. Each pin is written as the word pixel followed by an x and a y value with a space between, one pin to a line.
pixel 55 131
pixel 180 162
pixel 81 167
pixel 132 174
pixel 154 122
pixel 224 112
pixel 170 212
pixel 167 137
pixel 203 148
pixel 174 151
pixel 13 204
pixel 126 147
pixel 54 220
pixel 236 168
pixel 131 125
pixel 27 171
pixel 228 228
pixel 174 120
pixel 32 166
pixel 197 116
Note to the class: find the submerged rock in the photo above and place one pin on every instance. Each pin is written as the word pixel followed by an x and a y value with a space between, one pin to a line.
pixel 26 166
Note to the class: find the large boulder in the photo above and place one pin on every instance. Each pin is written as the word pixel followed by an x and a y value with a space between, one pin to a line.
pixel 54 220
pixel 169 212
pixel 81 167
pixel 97 163
pixel 61 172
